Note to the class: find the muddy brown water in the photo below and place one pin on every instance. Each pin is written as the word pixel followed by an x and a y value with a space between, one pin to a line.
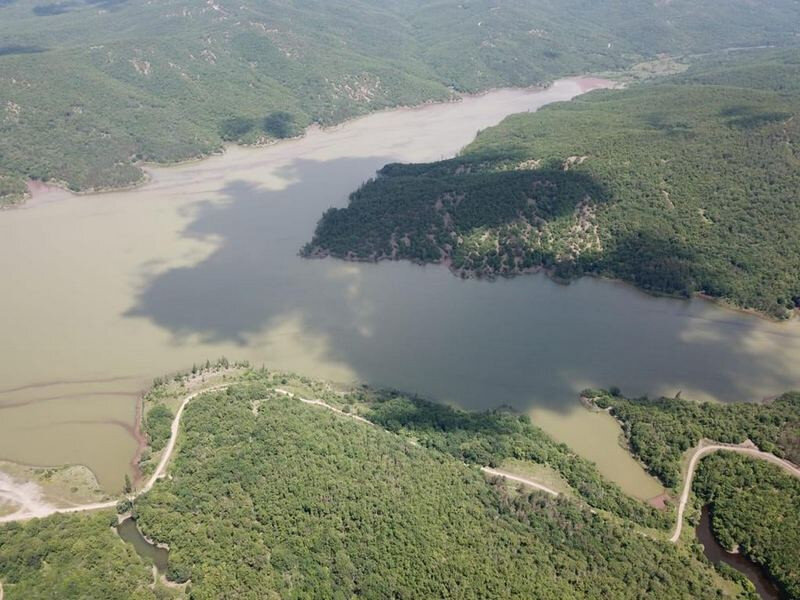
pixel 102 293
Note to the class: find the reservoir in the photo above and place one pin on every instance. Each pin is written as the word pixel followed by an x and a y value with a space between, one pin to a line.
pixel 102 293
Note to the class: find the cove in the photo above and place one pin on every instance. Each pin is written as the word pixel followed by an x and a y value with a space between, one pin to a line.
pixel 129 532
pixel 714 552
pixel 102 293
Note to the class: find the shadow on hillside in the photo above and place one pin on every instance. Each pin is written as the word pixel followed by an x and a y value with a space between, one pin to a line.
pixel 653 261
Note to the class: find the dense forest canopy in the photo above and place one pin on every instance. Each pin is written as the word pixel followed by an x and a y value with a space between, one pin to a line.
pixel 682 186
pixel 660 430
pixel 88 88
pixel 319 505
pixel 755 507
pixel 269 497
pixel 489 438
pixel 71 556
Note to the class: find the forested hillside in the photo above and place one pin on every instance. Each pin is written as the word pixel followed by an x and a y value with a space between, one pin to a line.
pixel 490 438
pixel 680 187
pixel 89 88
pixel 269 497
pixel 71 556
pixel 755 507
pixel 660 430
pixel 318 505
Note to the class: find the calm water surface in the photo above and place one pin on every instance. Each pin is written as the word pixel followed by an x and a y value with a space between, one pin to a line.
pixel 102 293
pixel 766 589
pixel 129 532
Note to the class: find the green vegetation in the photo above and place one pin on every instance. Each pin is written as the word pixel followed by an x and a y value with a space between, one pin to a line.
pixel 777 70
pixel 279 125
pixel 659 431
pixel 683 186
pixel 71 556
pixel 276 125
pixel 157 426
pixel 318 505
pixel 489 438
pixel 756 507
pixel 754 504
pixel 269 497
pixel 92 88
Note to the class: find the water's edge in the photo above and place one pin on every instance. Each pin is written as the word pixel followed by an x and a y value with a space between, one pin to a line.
pixel 715 553
pixel 151 553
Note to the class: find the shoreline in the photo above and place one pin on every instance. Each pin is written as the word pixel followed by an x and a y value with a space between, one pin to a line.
pixel 141 442
pixel 36 189
pixel 319 254
pixel 160 472
pixel 705 447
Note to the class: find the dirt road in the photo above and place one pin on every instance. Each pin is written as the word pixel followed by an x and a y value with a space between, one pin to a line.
pixel 707 447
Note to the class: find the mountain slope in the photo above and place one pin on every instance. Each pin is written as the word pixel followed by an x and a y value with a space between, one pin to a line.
pixel 320 505
pixel 90 87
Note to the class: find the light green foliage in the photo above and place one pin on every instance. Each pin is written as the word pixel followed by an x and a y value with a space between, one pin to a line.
pixel 660 430
pixel 755 506
pixel 91 87
pixel 777 70
pixel 12 187
pixel 679 187
pixel 71 557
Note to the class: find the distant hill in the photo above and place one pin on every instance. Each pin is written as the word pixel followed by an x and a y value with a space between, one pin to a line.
pixel 88 88
pixel 683 186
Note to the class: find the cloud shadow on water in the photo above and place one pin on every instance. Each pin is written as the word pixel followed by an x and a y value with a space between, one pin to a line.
pixel 526 342
pixel 251 278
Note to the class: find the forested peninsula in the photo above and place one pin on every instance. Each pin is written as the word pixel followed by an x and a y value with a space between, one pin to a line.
pixel 269 496
pixel 91 89
pixel 755 505
pixel 686 185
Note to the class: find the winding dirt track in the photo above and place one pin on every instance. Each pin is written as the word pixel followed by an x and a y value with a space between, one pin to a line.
pixel 487 470
pixel 46 511
pixel 160 471
pixel 707 447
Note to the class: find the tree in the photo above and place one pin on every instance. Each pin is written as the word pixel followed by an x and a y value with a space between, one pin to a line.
pixel 235 128
pixel 279 124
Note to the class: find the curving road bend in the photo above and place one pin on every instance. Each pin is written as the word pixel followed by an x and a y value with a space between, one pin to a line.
pixel 487 470
pixel 161 469
pixel 45 510
pixel 706 447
